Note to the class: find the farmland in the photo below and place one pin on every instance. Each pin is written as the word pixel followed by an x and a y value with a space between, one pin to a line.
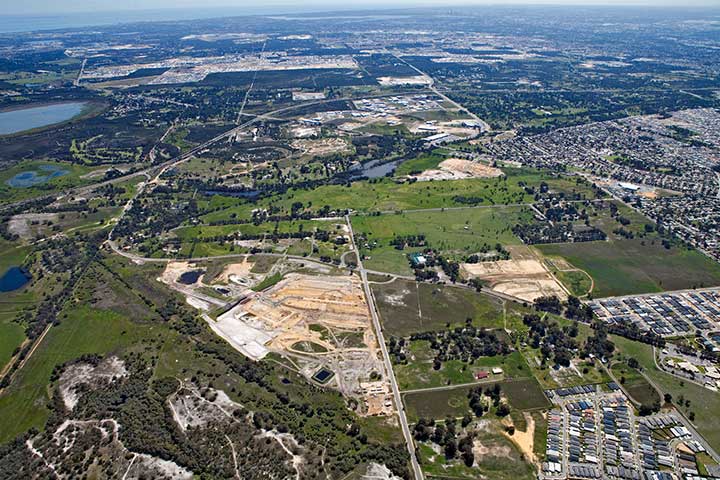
pixel 406 307
pixel 623 267
pixel 522 394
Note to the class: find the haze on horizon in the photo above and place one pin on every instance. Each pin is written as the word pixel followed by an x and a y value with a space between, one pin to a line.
pixel 53 7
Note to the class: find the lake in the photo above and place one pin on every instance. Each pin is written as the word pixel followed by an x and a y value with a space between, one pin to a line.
pixel 13 279
pixel 14 121
pixel 36 176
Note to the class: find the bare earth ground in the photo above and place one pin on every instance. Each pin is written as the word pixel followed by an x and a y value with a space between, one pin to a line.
pixel 21 224
pixel 321 147
pixel 234 271
pixel 394 81
pixel 456 168
pixel 524 440
pixel 87 374
pixel 523 276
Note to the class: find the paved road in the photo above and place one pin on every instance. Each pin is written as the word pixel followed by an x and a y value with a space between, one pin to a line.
pixel 418 475
pixel 452 387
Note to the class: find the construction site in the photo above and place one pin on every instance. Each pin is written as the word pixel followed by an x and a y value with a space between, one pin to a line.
pixel 319 324
pixel 523 276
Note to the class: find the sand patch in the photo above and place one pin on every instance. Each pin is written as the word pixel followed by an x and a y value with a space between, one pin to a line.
pixel 414 80
pixel 235 271
pixel 321 147
pixel 376 471
pixel 524 440
pixel 28 225
pixel 484 451
pixel 192 408
pixel 457 169
pixel 173 270
pixel 89 375
pixel 502 268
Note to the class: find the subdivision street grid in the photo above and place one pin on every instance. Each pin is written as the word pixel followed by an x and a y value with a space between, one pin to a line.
pixel 593 433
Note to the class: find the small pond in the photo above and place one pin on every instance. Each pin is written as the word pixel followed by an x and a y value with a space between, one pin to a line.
pixel 189 278
pixel 374 169
pixel 13 279
pixel 36 176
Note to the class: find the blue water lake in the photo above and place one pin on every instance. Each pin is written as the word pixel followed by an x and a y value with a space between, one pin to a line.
pixel 14 121
pixel 36 176
pixel 13 279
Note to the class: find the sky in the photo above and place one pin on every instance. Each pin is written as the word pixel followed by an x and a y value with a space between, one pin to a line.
pixel 43 7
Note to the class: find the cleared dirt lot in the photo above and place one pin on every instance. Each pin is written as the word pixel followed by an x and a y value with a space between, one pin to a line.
pixel 523 276
pixel 457 168
pixel 25 225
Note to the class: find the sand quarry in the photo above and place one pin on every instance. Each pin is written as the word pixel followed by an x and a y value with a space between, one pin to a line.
pixel 457 169
pixel 523 276
pixel 315 322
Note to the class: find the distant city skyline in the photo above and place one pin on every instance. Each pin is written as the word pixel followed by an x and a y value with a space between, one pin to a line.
pixel 53 7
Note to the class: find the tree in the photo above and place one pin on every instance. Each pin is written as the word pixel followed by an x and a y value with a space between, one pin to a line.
pixel 668 398
pixel 450 449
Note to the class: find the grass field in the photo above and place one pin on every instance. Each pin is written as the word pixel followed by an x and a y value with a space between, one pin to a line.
pixel 387 195
pixel 202 232
pixel 452 232
pixel 11 336
pixel 703 402
pixel 577 281
pixel 419 372
pixel 635 384
pixel 421 163
pixel 407 307
pixel 522 394
pixel 623 267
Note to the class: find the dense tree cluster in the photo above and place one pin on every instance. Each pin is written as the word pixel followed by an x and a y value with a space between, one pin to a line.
pixel 598 344
pixel 446 435
pixel 556 343
pixel 539 233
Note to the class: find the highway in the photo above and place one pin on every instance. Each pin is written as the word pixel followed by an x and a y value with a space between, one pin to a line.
pixel 417 472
